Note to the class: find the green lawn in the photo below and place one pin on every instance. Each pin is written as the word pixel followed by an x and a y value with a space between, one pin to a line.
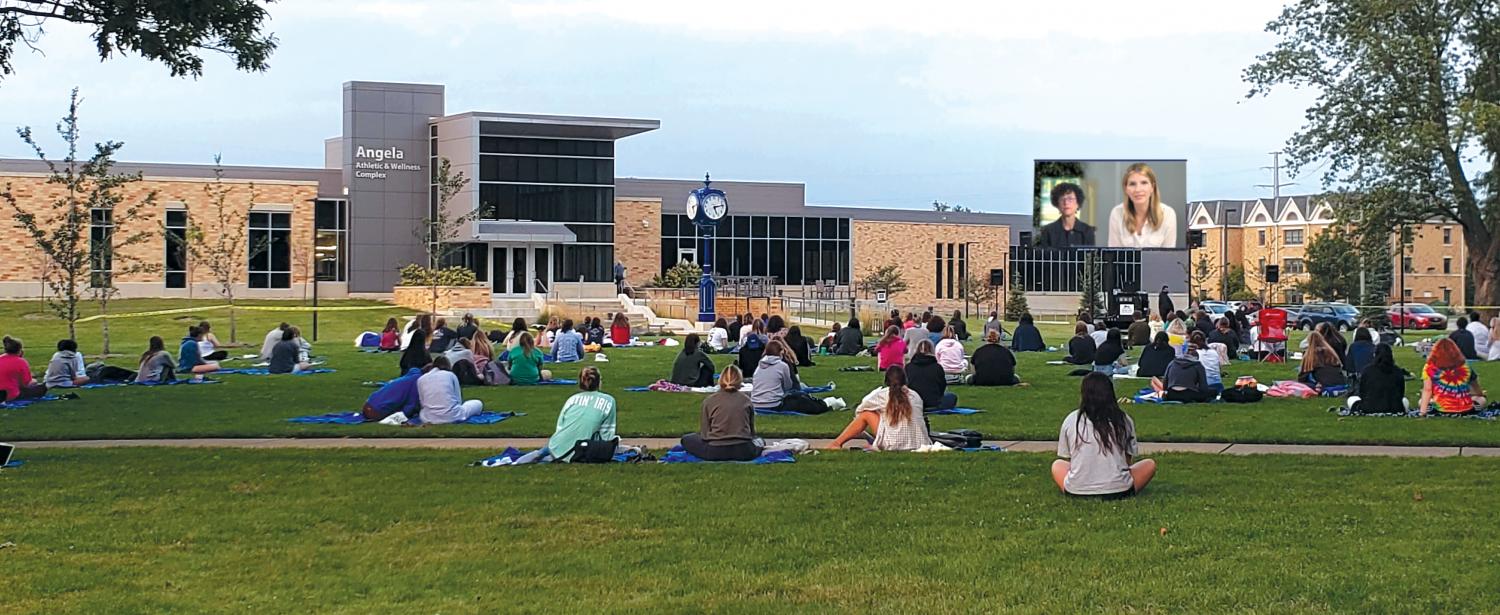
pixel 360 531
pixel 249 406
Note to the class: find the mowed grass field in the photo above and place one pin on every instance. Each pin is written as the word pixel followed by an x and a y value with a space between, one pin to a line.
pixel 257 406
pixel 365 531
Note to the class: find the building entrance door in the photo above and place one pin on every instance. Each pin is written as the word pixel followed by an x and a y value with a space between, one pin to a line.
pixel 517 270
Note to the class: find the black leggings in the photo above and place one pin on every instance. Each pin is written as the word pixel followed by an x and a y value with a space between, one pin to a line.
pixel 217 355
pixel 743 451
pixel 1189 396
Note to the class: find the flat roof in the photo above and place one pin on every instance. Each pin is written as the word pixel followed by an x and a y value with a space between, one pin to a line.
pixel 789 199
pixel 564 126
pixel 327 179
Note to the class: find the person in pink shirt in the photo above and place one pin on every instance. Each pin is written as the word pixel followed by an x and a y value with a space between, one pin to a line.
pixel 891 349
pixel 16 381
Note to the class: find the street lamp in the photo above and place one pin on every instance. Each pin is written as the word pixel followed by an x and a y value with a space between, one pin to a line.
pixel 1224 215
pixel 706 206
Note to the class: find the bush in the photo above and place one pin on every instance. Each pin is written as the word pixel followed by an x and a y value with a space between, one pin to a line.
pixel 681 275
pixel 417 275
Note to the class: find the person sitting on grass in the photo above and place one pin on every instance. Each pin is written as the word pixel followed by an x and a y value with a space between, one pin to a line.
pixel 1098 333
pixel 1494 339
pixel 994 324
pixel 800 346
pixel 287 356
pixel 1481 335
pixel 1382 385
pixel 16 381
pixel 960 328
pixel 1138 333
pixel 950 355
pixel 693 368
pixel 747 321
pixel 726 424
pixel 65 369
pixel 468 328
pixel 273 337
pixel 415 355
pixel 776 386
pixel 441 396
pixel 1321 366
pixel 1213 367
pixel 935 327
pixel 1361 351
pixel 1449 386
pixel 891 349
pixel 850 340
pixel 513 338
pixel 890 417
pixel 826 345
pixel 587 415
pixel 1027 338
pixel 188 359
pixel 1224 334
pixel 718 336
pixel 526 362
pixel 156 366
pixel 595 335
pixel 548 336
pixel 994 365
pixel 926 377
pixel 210 346
pixel 1185 381
pixel 399 395
pixel 1465 339
pixel 1109 358
pixel 1331 336
pixel 915 335
pixel 390 336
pixel 1155 357
pixel 441 338
pixel 463 350
pixel 752 348
pixel 568 347
pixel 1081 348
pixel 1097 446
pixel 619 330
pixel 911 321
pixel 776 327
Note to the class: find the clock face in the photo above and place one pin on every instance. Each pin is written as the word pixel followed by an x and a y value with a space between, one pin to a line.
pixel 692 205
pixel 715 206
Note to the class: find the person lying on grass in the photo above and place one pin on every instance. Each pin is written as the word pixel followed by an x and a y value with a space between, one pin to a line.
pixel 890 417
pixel 441 396
pixel 189 361
pixel 726 425
pixel 156 366
pixel 399 395
pixel 1097 446
pixel 1448 384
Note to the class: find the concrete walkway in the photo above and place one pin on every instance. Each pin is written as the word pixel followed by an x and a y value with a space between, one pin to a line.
pixel 496 444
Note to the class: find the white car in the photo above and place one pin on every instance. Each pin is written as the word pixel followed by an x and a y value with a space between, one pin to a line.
pixel 1215 309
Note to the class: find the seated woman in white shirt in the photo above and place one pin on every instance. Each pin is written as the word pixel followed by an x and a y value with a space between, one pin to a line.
pixel 892 413
pixel 1097 446
pixel 441 396
pixel 1142 221
pixel 950 355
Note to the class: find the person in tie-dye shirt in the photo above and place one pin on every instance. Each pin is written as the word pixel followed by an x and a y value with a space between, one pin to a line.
pixel 1448 385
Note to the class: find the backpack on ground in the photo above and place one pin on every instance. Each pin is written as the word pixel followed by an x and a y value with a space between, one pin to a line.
pixel 1242 395
pixel 958 438
pixel 496 373
pixel 595 451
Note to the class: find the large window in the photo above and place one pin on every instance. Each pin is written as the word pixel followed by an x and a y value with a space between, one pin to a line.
pixel 1292 237
pixel 1293 266
pixel 270 249
pixel 175 260
pixel 331 240
pixel 793 250
pixel 101 250
pixel 952 268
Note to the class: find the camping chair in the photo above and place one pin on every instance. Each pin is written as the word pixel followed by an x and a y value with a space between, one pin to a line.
pixel 1272 333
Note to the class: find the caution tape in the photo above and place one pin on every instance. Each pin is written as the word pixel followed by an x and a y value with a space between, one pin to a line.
pixel 248 308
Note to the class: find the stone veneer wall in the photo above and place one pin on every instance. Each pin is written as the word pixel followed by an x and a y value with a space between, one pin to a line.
pixel 912 246
pixel 450 298
pixel 638 238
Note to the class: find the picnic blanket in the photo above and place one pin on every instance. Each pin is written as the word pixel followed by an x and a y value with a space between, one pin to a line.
pixel 262 371
pixel 14 463
pixel 547 382
pixel 1488 413
pixel 680 455
pixel 511 455
pixel 132 383
pixel 356 418
pixel 22 403
pixel 662 386
pixel 957 411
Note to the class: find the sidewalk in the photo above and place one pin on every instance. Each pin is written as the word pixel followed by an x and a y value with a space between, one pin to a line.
pixel 496 444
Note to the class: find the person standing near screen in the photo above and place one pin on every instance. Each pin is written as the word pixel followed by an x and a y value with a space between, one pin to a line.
pixel 1067 231
pixel 1142 221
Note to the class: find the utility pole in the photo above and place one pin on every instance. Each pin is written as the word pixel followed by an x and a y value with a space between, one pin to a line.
pixel 1275 187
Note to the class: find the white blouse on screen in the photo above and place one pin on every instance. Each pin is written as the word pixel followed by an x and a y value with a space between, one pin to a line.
pixel 1164 236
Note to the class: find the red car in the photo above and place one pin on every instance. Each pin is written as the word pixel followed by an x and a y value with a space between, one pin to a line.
pixel 1416 316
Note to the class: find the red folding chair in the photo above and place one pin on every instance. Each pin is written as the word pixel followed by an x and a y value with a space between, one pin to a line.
pixel 1271 335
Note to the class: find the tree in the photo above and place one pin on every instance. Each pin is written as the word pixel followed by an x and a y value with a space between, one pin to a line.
pixel 942 206
pixel 218 239
pixel 1201 273
pixel 75 232
pixel 441 229
pixel 978 290
pixel 1329 274
pixel 173 32
pixel 1235 288
pixel 1408 93
pixel 887 278
pixel 1015 299
pixel 1091 285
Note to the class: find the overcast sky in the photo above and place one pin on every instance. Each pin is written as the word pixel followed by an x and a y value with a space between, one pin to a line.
pixel 872 103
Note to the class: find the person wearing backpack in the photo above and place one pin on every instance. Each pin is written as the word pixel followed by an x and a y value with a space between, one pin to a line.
pixel 1097 446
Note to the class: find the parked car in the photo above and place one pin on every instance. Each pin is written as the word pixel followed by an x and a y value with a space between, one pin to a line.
pixel 1415 316
pixel 1215 309
pixel 1341 315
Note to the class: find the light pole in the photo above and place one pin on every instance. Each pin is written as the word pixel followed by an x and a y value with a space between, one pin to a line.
pixel 1224 252
pixel 706 206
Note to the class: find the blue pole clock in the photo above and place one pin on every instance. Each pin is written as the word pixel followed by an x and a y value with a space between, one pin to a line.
pixel 706 206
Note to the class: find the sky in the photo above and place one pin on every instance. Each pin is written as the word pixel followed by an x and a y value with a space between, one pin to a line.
pixel 873 103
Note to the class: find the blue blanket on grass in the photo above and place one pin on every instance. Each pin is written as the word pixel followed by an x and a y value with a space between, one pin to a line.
pixel 949 411
pixel 14 463
pixel 22 403
pixel 356 418
pixel 547 382
pixel 132 383
pixel 509 456
pixel 262 371
pixel 1145 396
pixel 679 455
pixel 809 390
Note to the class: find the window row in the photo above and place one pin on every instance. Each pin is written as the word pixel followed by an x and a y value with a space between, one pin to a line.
pixel 761 227
pixel 545 147
pixel 789 261
pixel 546 170
pixel 952 268
pixel 546 203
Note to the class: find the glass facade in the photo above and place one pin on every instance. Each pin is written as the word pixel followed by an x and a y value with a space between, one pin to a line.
pixel 175 260
pixel 792 249
pixel 101 251
pixel 331 239
pixel 270 246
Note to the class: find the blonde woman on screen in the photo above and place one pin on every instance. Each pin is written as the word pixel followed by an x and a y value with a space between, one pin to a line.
pixel 1142 221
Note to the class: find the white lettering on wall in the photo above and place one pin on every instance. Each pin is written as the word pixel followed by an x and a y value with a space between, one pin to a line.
pixel 373 162
pixel 379 154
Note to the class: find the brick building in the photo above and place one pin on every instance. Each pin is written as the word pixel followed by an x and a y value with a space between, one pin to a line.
pixel 553 218
pixel 1261 232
